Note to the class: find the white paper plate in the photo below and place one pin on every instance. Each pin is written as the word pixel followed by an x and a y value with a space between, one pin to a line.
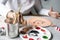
pixel 44 34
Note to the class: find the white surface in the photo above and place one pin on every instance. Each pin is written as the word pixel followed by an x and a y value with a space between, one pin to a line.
pixel 3 24
pixel 7 38
pixel 55 33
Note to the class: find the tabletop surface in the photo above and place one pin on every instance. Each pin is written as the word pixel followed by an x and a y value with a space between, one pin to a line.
pixel 55 33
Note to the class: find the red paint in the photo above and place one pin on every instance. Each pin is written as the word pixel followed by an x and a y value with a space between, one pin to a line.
pixel 25 36
pixel 38 28
pixel 3 27
pixel 59 29
pixel 38 38
pixel 31 39
pixel 42 30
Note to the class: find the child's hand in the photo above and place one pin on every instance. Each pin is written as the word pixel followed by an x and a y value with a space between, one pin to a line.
pixel 53 14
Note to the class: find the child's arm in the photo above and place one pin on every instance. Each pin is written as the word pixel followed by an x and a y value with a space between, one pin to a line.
pixel 49 13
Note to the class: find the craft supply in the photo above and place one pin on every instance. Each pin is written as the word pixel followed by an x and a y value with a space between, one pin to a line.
pixel 25 30
pixel 12 24
pixel 11 17
pixel 39 21
pixel 31 39
pixel 57 28
pixel 25 36
pixel 45 37
pixel 2 31
pixel 13 30
pixel 15 20
pixel 38 28
pixel 42 30
pixel 38 38
pixel 43 22
pixel 35 34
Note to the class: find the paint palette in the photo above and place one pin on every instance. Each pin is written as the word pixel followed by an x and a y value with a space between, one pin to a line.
pixel 37 33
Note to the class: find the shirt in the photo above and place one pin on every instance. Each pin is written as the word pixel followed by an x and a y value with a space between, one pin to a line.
pixel 26 5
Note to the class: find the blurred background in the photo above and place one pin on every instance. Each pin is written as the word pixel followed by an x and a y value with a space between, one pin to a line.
pixel 47 4
pixel 54 3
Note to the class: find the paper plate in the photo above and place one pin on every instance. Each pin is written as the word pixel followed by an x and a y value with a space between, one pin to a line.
pixel 37 33
pixel 39 21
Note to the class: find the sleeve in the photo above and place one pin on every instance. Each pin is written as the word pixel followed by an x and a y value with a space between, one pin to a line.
pixel 27 6
pixel 38 8
pixel 44 12
pixel 3 1
pixel 3 9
